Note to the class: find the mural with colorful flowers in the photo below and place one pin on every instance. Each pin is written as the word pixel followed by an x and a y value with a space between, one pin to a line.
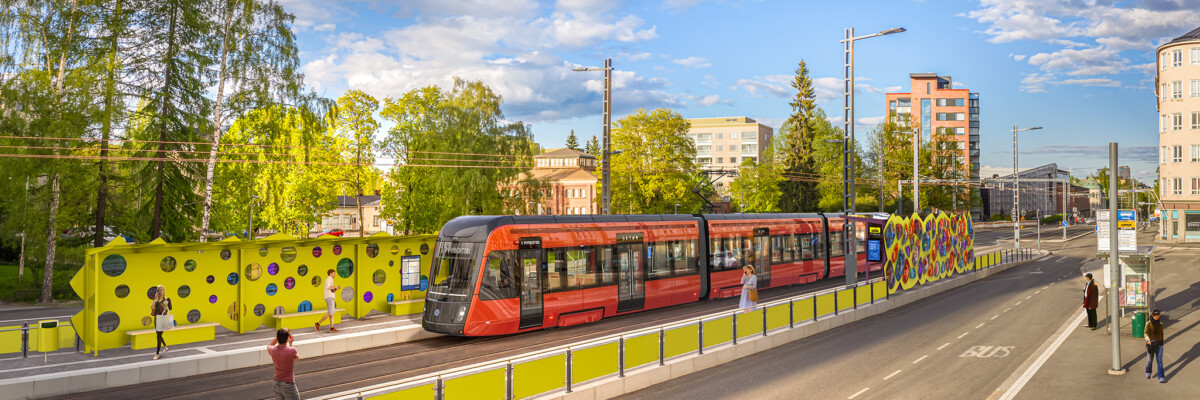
pixel 923 249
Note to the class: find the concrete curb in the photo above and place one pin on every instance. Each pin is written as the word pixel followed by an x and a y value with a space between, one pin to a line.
pixel 647 376
pixel 67 382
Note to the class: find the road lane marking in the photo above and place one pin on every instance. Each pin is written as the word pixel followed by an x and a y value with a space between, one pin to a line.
pixel 894 373
pixel 1027 297
pixel 964 334
pixel 919 359
pixel 1018 303
pixel 1037 292
pixel 943 346
pixel 858 393
pixel 1025 376
pixel 980 325
pixel 1006 309
pixel 995 316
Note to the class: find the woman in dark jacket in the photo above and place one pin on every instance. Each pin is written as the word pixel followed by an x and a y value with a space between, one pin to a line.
pixel 1154 345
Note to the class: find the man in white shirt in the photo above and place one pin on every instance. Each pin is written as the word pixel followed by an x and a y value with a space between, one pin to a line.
pixel 330 289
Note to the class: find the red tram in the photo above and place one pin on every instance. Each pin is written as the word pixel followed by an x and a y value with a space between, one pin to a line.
pixel 495 275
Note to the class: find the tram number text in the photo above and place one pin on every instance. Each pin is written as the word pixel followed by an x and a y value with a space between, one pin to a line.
pixel 987 351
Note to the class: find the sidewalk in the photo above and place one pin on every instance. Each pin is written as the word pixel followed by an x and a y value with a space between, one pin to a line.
pixel 1079 368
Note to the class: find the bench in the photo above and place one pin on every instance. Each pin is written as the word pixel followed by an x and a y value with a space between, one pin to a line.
pixel 406 307
pixel 146 339
pixel 304 319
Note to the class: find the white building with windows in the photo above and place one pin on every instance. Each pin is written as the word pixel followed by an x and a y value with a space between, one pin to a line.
pixel 724 143
pixel 1178 91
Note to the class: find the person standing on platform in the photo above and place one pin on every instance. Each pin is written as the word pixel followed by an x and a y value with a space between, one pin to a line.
pixel 1090 300
pixel 330 304
pixel 284 356
pixel 161 310
pixel 749 289
pixel 1154 345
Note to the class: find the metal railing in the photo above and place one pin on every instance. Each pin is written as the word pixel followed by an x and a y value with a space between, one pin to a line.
pixel 568 366
pixel 26 334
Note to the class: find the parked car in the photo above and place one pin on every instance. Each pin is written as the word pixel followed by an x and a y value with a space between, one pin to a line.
pixel 332 231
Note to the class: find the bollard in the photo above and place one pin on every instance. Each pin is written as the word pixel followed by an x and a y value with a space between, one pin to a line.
pixel 791 314
pixel 835 305
pixel 621 357
pixel 854 295
pixel 700 336
pixel 25 340
pixel 439 389
pixel 662 353
pixel 735 328
pixel 764 318
pixel 814 303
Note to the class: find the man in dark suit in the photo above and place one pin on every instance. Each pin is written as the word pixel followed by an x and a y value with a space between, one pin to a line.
pixel 1090 299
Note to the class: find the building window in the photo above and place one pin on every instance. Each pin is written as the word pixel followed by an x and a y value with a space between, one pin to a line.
pixel 749 148
pixel 749 135
pixel 720 160
pixel 928 87
pixel 703 148
pixel 950 102
pixel 719 136
pixel 1195 88
pixel 1162 126
pixel 1196 153
pixel 1177 186
pixel 733 135
pixel 1163 65
pixel 733 160
pixel 1195 185
pixel 1196 56
pixel 1177 58
pixel 1177 90
pixel 1177 154
pixel 1177 121
pixel 1195 120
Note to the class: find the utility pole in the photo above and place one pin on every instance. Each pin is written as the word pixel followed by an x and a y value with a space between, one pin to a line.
pixel 851 259
pixel 606 183
pixel 1114 262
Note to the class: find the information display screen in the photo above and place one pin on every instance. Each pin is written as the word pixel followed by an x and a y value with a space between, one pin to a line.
pixel 410 273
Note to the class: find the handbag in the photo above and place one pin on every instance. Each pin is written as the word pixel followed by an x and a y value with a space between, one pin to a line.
pixel 753 296
pixel 164 322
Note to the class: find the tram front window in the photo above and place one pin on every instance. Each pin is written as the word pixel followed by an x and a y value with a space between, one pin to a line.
pixel 450 279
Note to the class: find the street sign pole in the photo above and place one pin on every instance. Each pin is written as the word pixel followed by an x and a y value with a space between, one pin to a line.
pixel 1114 262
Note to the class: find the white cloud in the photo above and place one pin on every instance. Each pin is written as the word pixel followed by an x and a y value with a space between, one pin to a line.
pixel 713 99
pixel 325 27
pixel 693 62
pixel 1018 57
pixel 1035 83
pixel 774 85
pixel 1090 82
pixel 635 56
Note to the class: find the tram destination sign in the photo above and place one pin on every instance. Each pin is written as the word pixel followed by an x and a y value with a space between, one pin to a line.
pixel 1126 230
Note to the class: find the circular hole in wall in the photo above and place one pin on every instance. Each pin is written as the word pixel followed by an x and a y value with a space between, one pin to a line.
pixel 259 310
pixel 424 248
pixel 108 322
pixel 232 278
pixel 167 264
pixel 212 299
pixel 263 252
pixel 184 291
pixel 272 289
pixel 302 270
pixel 337 249
pixel 348 294
pixel 288 254
pixel 289 283
pixel 225 254
pixel 345 268
pixel 253 272
pixel 379 277
pixel 367 297
pixel 210 279
pixel 122 291
pixel 317 252
pixel 273 269
pixel 113 265
pixel 372 250
pixel 316 281
pixel 279 310
pixel 189 265
pixel 193 316
pixel 304 306
pixel 395 250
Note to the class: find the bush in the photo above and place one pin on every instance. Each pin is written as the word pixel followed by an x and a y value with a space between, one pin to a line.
pixel 999 217
pixel 1053 219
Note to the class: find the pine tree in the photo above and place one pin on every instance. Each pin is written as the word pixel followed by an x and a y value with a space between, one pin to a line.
pixel 572 142
pixel 796 148
pixel 593 147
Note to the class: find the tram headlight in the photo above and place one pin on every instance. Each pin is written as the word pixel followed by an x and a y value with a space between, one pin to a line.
pixel 462 314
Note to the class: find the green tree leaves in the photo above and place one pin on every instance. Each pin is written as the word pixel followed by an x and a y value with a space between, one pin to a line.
pixel 656 167
pixel 796 146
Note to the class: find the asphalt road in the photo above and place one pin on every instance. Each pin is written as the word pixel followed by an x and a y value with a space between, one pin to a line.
pixel 345 371
pixel 961 344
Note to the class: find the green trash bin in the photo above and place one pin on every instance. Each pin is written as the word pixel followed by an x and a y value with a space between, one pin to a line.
pixel 1139 324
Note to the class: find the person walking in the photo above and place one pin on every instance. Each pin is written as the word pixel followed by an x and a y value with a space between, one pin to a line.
pixel 749 289
pixel 1090 300
pixel 330 303
pixel 284 356
pixel 1154 345
pixel 163 321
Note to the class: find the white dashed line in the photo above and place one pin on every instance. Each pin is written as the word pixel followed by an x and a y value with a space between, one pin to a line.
pixel 943 346
pixel 1027 297
pixel 919 359
pixel 859 392
pixel 995 316
pixel 1018 303
pixel 892 374
pixel 1037 292
pixel 964 334
pixel 978 326
pixel 1006 309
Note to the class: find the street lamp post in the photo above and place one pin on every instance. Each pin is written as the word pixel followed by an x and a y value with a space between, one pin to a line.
pixel 250 229
pixel 1017 190
pixel 677 208
pixel 916 177
pixel 606 198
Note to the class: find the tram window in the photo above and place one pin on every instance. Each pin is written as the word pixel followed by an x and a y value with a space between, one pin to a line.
pixel 714 254
pixel 659 265
pixel 818 243
pixel 556 270
pixel 806 246
pixel 605 268
pixel 836 248
pixel 776 250
pixel 793 250
pixel 577 268
pixel 747 251
pixel 499 279
pixel 685 258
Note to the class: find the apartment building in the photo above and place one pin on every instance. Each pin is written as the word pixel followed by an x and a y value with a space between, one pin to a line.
pixel 1178 90
pixel 724 143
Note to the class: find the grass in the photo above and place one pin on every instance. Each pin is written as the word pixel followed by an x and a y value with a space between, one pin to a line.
pixel 9 284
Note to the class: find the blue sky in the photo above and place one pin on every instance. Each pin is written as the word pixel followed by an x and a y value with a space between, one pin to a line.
pixel 1081 69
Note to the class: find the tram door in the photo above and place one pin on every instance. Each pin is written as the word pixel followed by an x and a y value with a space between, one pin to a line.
pixel 762 257
pixel 531 287
pixel 631 281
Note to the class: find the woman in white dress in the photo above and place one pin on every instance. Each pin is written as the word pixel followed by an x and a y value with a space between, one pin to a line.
pixel 749 283
pixel 161 310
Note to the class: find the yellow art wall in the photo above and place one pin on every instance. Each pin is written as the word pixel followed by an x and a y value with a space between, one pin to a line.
pixel 238 284
pixel 924 249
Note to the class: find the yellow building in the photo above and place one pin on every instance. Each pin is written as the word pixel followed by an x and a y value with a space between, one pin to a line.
pixel 724 143
pixel 1178 91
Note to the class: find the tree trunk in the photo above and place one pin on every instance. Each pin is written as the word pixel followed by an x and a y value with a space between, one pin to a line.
pixel 51 242
pixel 216 139
pixel 156 222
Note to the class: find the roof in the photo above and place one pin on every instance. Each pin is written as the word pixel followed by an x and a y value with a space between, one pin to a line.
pixel 348 201
pixel 1193 35
pixel 475 228
pixel 565 152
pixel 558 175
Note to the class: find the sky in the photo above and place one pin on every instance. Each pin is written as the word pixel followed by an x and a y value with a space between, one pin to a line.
pixel 1081 69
